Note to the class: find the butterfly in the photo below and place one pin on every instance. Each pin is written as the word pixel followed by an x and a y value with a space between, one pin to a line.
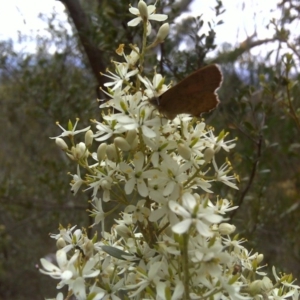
pixel 196 94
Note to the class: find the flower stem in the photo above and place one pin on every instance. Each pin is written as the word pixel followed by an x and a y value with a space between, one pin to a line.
pixel 185 264
pixel 144 42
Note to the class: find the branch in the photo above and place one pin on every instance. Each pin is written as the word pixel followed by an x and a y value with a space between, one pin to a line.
pixel 84 28
pixel 231 56
pixel 252 175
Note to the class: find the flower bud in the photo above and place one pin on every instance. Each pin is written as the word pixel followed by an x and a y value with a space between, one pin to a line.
pixel 208 154
pixel 80 150
pixel 77 235
pixel 255 287
pixel 111 152
pixel 259 286
pixel 121 143
pixel 163 32
pixel 123 231
pixel 161 35
pixel 88 248
pixel 142 6
pixel 260 258
pixel 226 228
pixel 134 144
pixel 60 243
pixel 101 151
pixel 130 137
pixel 61 144
pixel 184 151
pixel 266 284
pixel 106 183
pixel 73 151
pixel 89 138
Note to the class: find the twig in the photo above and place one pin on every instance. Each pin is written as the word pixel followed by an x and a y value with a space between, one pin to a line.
pixel 252 175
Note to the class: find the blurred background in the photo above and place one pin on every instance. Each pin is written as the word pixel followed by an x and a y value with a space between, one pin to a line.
pixel 51 56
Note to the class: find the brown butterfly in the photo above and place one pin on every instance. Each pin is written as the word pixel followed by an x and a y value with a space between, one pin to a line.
pixel 193 95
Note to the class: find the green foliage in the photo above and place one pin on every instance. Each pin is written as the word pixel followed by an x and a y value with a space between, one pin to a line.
pixel 36 90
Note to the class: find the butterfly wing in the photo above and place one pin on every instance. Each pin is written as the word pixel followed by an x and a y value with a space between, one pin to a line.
pixel 193 95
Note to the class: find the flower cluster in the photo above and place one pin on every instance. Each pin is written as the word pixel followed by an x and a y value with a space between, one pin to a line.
pixel 172 240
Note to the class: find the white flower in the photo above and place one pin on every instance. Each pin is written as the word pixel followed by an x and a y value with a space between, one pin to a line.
pixel 236 244
pixel 136 175
pixel 285 283
pixel 64 270
pixel 105 131
pixel 103 179
pixel 72 131
pixel 203 184
pixel 66 234
pixel 209 254
pixel 156 88
pixel 97 213
pixel 122 75
pixel 226 228
pixel 76 182
pixel 139 211
pixel 221 174
pixel 278 295
pixel 164 214
pixel 152 277
pixel 232 289
pixel 96 293
pixel 79 152
pixel 156 187
pixel 193 138
pixel 150 15
pixel 218 142
pixel 159 146
pixel 72 239
pixel 195 214
pixel 59 296
pixel 223 206
pixel 173 174
pixel 133 57
pixel 161 288
pixel 134 114
pixel 79 288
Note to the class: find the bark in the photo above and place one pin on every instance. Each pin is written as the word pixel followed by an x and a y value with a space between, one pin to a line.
pixel 84 28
